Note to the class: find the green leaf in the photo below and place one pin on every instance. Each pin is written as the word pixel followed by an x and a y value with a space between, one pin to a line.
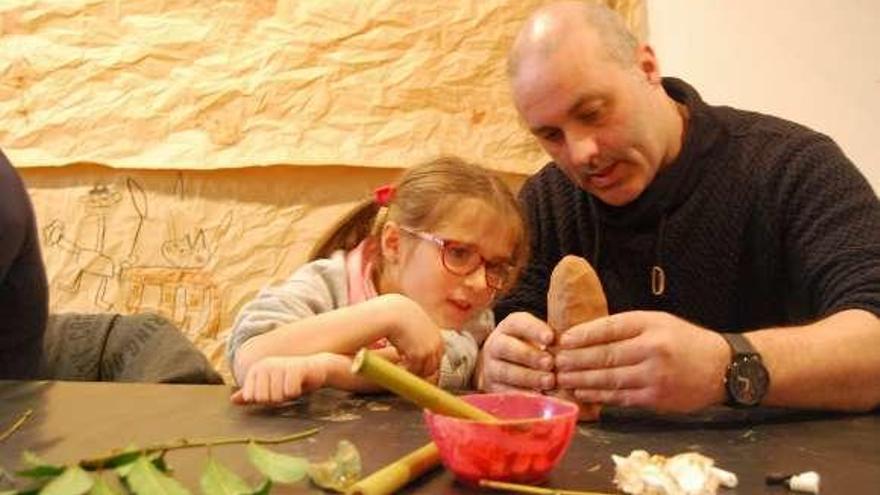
pixel 102 488
pixel 264 490
pixel 339 472
pixel 32 459
pixel 47 471
pixel 145 479
pixel 38 467
pixel 156 458
pixel 122 459
pixel 219 480
pixel 277 467
pixel 123 470
pixel 74 481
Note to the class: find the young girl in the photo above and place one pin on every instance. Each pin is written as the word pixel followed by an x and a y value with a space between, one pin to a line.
pixel 411 273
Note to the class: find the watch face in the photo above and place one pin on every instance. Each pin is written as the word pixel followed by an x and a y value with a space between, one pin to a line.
pixel 747 380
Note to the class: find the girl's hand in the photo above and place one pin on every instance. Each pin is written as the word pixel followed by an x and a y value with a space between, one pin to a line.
pixel 514 356
pixel 273 380
pixel 389 353
pixel 416 337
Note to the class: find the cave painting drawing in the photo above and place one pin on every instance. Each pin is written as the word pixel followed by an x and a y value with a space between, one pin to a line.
pixel 182 288
pixel 87 244
pixel 132 256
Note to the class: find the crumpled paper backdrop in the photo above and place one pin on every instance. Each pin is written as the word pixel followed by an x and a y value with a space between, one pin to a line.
pixel 144 100
pixel 218 84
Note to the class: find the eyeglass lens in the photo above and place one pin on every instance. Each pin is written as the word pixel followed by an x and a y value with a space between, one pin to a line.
pixel 463 260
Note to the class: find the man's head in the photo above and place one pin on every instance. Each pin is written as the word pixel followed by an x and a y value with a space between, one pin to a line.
pixel 592 95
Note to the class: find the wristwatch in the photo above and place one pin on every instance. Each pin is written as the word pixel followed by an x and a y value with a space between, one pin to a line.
pixel 746 380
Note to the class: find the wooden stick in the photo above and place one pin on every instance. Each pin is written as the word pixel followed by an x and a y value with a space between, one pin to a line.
pixel 15 426
pixel 517 488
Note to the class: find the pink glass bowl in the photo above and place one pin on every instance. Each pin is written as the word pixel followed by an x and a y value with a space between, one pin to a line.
pixel 523 448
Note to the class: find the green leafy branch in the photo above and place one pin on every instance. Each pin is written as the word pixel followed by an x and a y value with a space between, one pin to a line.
pixel 116 458
pixel 143 471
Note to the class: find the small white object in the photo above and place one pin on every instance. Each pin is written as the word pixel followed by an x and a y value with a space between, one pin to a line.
pixel 684 474
pixel 726 478
pixel 807 482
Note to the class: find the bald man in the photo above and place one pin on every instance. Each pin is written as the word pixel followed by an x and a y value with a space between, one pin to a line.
pixel 740 253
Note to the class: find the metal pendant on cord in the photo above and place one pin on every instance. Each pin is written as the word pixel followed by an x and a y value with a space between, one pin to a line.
pixel 658 280
pixel 658 275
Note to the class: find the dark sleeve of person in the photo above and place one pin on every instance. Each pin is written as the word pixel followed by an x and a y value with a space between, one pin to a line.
pixel 23 288
pixel 831 228
pixel 530 292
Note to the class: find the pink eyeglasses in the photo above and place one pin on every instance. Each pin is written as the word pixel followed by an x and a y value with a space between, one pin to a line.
pixel 463 259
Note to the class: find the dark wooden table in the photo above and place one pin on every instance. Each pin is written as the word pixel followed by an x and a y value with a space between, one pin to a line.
pixel 74 420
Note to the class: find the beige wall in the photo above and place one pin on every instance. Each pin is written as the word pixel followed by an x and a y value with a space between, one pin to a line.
pixel 812 62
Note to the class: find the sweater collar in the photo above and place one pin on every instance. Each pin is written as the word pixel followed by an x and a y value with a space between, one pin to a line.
pixel 674 184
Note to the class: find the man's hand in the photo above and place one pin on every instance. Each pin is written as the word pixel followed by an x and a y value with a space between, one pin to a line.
pixel 644 359
pixel 514 356
pixel 273 380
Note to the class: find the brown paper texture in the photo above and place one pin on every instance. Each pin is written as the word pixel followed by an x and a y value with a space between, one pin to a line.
pixel 204 84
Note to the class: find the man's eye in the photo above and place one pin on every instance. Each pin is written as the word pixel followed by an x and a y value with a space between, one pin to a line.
pixel 553 136
pixel 590 116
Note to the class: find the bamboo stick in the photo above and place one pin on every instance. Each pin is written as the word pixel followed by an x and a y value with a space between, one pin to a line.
pixel 399 473
pixel 413 388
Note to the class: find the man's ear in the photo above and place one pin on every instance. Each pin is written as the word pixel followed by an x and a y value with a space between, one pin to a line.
pixel 389 242
pixel 647 63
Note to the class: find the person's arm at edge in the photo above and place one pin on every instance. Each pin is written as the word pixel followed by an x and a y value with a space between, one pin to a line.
pixel 833 363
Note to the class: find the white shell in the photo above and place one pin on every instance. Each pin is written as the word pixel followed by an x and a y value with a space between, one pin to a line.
pixel 684 474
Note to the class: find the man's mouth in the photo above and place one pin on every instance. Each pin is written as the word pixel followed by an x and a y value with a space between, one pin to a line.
pixel 602 178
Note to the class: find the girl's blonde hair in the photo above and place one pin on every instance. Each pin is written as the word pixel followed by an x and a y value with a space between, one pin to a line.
pixel 421 197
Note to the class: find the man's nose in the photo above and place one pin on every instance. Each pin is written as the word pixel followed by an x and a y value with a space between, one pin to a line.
pixel 582 149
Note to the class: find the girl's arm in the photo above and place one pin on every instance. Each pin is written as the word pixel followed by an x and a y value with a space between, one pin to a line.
pixel 275 380
pixel 345 330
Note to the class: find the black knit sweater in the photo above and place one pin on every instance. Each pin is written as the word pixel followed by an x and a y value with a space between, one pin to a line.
pixel 758 222
pixel 23 290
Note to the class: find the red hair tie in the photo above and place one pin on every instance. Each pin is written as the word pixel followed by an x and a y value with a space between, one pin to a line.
pixel 384 194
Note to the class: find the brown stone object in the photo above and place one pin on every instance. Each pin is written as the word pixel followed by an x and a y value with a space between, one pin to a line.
pixel 575 296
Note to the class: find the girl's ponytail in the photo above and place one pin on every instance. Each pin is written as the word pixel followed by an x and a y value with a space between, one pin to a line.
pixel 358 224
pixel 350 230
